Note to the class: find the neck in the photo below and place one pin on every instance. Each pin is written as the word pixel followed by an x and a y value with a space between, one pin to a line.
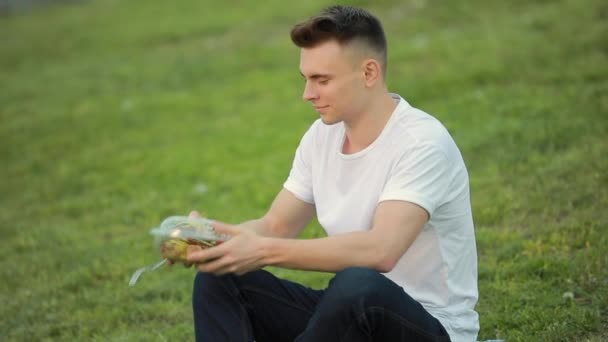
pixel 365 128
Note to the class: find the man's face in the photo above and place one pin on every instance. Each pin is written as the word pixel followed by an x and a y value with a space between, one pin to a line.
pixel 335 81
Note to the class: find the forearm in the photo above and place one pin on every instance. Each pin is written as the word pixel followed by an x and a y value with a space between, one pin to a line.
pixel 269 241
pixel 286 217
pixel 329 254
pixel 267 227
pixel 259 226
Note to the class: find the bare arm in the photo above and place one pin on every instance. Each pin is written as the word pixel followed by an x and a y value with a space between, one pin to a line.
pixel 396 225
pixel 286 217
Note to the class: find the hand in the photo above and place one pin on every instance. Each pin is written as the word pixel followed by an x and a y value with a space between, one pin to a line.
pixel 239 255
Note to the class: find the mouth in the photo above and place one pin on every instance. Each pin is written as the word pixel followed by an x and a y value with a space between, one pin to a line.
pixel 319 108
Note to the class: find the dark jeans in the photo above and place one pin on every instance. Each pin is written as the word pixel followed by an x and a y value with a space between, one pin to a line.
pixel 359 305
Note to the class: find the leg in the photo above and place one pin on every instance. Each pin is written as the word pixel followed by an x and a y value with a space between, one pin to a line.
pixel 363 305
pixel 257 305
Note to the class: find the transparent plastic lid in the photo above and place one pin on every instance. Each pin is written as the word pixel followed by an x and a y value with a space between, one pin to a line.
pixel 195 230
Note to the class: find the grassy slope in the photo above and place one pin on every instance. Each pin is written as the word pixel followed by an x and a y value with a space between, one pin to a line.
pixel 116 114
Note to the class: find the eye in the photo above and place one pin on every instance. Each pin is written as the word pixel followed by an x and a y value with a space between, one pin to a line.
pixel 323 81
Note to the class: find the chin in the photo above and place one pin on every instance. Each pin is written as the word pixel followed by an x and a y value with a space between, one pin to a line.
pixel 330 121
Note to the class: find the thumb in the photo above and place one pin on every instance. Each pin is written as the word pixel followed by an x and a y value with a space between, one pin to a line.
pixel 194 214
pixel 224 228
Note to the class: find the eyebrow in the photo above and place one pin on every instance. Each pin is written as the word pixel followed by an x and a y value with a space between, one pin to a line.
pixel 316 76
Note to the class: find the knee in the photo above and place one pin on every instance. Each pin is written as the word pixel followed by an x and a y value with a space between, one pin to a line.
pixel 203 281
pixel 358 277
pixel 201 285
pixel 356 284
pixel 357 273
pixel 206 285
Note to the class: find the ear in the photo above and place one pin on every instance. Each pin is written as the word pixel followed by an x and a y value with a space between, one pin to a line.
pixel 372 71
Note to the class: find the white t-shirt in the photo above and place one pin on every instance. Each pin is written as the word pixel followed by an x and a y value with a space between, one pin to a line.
pixel 416 160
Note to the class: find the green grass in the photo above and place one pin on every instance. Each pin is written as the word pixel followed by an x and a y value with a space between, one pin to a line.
pixel 116 114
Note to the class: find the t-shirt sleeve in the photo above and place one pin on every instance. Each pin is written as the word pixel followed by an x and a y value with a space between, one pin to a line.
pixel 299 182
pixel 422 176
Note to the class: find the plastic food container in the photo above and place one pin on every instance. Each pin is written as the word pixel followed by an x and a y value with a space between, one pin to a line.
pixel 177 232
pixel 173 237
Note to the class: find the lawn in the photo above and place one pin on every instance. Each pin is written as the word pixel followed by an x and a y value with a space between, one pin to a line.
pixel 117 114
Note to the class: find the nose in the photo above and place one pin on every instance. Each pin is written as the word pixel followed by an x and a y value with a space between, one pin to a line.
pixel 309 93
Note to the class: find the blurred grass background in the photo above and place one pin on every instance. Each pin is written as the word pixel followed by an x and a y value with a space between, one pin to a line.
pixel 116 114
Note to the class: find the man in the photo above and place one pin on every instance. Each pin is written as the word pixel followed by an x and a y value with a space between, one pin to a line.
pixel 387 183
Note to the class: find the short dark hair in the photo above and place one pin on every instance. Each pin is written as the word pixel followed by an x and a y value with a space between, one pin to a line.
pixel 344 24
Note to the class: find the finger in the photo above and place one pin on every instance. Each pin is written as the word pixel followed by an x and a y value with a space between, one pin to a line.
pixel 223 228
pixel 193 248
pixel 203 255
pixel 218 266
pixel 190 250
